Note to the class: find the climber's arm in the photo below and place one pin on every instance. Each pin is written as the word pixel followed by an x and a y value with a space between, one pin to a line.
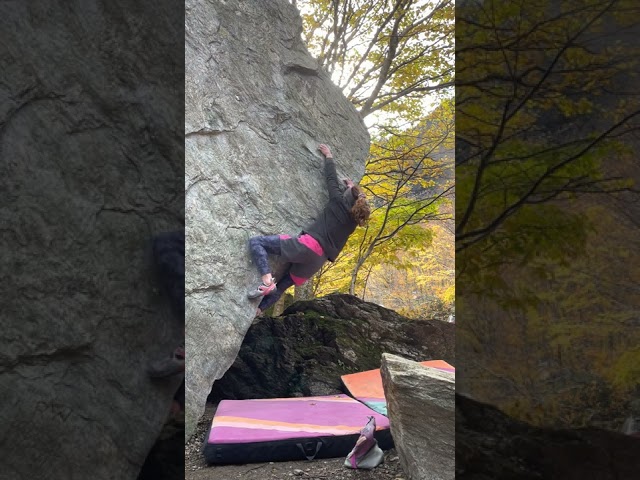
pixel 330 173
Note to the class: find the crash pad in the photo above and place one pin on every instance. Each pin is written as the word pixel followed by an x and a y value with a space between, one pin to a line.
pixel 367 386
pixel 281 429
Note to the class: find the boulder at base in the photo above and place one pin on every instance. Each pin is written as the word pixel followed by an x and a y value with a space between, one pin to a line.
pixel 307 350
pixel 256 107
pixel 421 406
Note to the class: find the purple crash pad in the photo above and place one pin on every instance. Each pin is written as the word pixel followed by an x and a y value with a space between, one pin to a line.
pixel 244 431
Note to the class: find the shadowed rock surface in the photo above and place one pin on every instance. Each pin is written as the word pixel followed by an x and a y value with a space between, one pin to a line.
pixel 306 350
pixel 490 445
pixel 257 105
pixel 421 406
pixel 91 141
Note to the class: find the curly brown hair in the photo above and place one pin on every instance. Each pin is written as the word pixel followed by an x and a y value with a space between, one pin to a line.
pixel 360 210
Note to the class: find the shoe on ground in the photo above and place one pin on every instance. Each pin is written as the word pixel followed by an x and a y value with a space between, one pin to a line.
pixel 262 290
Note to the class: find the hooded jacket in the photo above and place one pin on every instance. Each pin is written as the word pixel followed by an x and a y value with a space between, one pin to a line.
pixel 335 223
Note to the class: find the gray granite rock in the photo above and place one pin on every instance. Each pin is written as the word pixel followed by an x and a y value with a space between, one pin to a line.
pixel 421 406
pixel 257 106
pixel 90 142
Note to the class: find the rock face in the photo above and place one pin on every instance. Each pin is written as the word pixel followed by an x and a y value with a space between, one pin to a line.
pixel 257 106
pixel 421 405
pixel 490 444
pixel 91 139
pixel 307 349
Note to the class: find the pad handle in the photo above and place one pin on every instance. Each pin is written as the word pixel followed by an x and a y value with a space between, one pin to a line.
pixel 308 448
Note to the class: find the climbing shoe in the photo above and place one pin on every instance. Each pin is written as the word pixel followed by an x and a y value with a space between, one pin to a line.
pixel 262 290
pixel 169 366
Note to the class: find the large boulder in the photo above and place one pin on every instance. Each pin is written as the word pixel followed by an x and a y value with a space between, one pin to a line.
pixel 91 142
pixel 421 406
pixel 306 350
pixel 257 105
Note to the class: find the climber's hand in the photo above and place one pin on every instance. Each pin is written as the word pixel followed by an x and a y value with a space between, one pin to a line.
pixel 325 150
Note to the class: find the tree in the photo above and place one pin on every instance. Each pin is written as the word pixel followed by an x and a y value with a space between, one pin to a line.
pixel 423 283
pixel 409 177
pixel 547 101
pixel 530 81
pixel 384 55
pixel 389 58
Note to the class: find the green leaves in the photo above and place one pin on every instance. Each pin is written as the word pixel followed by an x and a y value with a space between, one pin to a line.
pixel 543 110
pixel 409 181
pixel 384 55
pixel 389 58
pixel 525 124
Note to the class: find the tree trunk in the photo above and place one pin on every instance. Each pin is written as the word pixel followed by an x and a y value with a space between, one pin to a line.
pixel 304 291
pixel 352 285
pixel 354 275
pixel 366 281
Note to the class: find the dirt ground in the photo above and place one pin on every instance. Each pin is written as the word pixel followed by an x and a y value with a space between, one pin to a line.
pixel 197 469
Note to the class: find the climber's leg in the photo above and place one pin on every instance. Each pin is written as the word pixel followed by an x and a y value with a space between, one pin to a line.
pixel 259 248
pixel 299 272
pixel 284 283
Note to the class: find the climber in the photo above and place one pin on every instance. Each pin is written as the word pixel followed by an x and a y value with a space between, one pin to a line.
pixel 321 241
